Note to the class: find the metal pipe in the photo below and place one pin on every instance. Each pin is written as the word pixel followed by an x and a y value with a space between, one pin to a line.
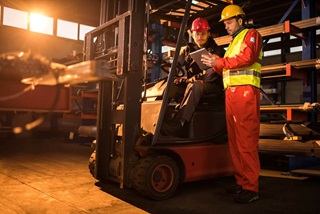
pixel 286 147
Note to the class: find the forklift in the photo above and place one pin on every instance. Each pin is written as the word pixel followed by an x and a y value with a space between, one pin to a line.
pixel 129 148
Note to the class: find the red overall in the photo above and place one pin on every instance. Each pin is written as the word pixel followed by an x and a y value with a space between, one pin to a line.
pixel 243 115
pixel 243 123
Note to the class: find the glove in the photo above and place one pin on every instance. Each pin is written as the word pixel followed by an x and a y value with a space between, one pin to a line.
pixel 178 81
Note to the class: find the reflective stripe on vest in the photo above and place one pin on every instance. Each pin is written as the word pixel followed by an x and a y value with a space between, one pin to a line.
pixel 246 72
pixel 249 75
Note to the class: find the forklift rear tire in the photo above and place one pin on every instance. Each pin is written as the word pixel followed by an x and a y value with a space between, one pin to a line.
pixel 156 177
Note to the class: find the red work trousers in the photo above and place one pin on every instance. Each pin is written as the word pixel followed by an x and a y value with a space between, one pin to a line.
pixel 243 124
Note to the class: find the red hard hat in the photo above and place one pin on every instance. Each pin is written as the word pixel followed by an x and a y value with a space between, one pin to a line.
pixel 200 24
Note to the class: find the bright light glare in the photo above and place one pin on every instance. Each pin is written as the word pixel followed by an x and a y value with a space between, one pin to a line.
pixel 41 24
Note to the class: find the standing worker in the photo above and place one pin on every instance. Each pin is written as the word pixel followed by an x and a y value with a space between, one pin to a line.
pixel 198 82
pixel 241 73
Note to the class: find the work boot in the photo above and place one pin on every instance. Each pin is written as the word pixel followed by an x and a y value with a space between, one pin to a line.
pixel 246 196
pixel 236 189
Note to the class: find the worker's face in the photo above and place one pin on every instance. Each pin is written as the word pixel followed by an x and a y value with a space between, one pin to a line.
pixel 200 37
pixel 233 25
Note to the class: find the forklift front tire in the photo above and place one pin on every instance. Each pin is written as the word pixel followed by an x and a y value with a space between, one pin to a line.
pixel 156 176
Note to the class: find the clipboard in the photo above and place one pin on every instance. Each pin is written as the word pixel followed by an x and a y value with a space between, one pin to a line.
pixel 196 56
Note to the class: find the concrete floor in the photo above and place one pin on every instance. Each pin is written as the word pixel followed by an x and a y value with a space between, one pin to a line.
pixel 49 176
pixel 52 176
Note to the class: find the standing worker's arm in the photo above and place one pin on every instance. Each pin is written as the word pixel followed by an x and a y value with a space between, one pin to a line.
pixel 249 54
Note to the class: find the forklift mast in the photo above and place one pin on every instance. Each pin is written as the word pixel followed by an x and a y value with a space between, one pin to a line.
pixel 116 42
pixel 122 23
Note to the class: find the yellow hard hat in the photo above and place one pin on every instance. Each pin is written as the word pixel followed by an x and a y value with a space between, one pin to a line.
pixel 230 11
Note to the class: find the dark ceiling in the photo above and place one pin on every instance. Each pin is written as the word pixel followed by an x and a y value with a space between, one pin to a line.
pixel 262 12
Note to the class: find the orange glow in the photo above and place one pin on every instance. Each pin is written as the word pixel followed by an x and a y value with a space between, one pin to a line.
pixel 40 23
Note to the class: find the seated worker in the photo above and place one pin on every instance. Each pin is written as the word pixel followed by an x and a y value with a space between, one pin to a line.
pixel 198 82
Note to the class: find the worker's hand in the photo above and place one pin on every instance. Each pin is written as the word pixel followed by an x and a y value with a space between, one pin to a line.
pixel 209 60
pixel 178 81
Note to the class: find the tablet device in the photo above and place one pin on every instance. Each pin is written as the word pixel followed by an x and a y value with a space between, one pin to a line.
pixel 196 56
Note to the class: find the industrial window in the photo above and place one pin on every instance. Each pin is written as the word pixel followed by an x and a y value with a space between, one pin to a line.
pixel 273 40
pixel 41 24
pixel 166 49
pixel 83 30
pixel 67 29
pixel 296 49
pixel 272 52
pixel 15 18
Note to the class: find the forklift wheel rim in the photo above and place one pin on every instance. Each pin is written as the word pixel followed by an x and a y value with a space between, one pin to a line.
pixel 162 178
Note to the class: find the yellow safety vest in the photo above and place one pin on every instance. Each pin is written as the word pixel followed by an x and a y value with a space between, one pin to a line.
pixel 249 75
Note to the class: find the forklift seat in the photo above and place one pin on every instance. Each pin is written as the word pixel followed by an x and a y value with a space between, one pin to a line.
pixel 210 101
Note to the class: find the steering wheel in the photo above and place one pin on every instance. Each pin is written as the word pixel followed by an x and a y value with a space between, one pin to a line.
pixel 165 66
